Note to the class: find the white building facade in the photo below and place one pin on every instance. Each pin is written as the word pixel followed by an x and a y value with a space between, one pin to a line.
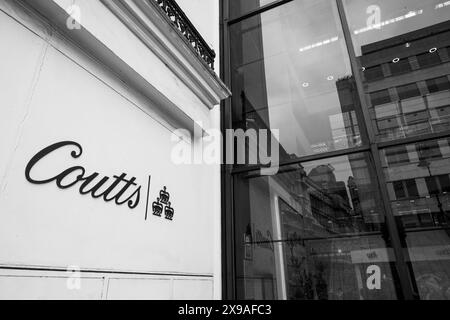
pixel 92 205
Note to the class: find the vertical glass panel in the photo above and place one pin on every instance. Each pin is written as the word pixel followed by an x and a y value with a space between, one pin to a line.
pixel 238 8
pixel 315 231
pixel 408 41
pixel 291 72
pixel 419 189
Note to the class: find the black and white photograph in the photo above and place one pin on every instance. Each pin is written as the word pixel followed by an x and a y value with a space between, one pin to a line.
pixel 247 151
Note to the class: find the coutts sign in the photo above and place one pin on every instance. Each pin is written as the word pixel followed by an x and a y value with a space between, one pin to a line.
pixel 120 189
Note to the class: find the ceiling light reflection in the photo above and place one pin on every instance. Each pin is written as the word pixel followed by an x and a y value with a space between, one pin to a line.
pixel 319 44
pixel 409 15
pixel 442 5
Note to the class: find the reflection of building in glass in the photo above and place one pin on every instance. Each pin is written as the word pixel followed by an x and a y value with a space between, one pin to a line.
pixel 418 183
pixel 349 133
pixel 330 198
pixel 420 189
pixel 319 263
pixel 316 263
pixel 364 118
pixel 407 80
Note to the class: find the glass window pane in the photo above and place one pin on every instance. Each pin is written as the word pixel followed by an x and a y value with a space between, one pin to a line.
pixel 380 97
pixel 411 186
pixel 291 72
pixel 313 232
pixel 438 84
pixel 238 8
pixel 409 40
pixel 408 91
pixel 424 215
pixel 444 182
pixel 432 185
pixel 429 150
pixel 374 73
pixel 397 155
pixel 399 66
pixel 428 59
pixel 399 189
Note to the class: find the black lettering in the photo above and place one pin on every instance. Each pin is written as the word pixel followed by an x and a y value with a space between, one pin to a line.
pixel 42 154
pixel 64 174
pixel 86 188
pixel 95 188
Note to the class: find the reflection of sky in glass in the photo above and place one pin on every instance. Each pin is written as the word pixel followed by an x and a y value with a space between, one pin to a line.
pixel 428 12
pixel 301 84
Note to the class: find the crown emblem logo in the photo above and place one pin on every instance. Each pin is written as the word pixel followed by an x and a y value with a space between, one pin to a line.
pixel 169 212
pixel 163 205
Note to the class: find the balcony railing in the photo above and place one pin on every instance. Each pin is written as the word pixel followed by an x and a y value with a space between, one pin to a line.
pixel 181 22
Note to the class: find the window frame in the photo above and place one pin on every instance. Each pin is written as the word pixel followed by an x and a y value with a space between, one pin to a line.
pixel 375 148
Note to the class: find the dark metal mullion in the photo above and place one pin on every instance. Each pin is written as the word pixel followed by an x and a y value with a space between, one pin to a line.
pixel 401 261
pixel 337 236
pixel 356 67
pixel 257 11
pixel 228 239
pixel 416 139
pixel 300 160
pixel 402 269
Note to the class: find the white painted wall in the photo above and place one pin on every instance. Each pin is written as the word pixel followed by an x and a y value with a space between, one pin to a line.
pixel 52 92
pixel 204 14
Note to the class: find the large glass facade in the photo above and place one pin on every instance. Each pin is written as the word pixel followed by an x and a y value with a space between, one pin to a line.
pixel 311 232
pixel 290 69
pixel 359 91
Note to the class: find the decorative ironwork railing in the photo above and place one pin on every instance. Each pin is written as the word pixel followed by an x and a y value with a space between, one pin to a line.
pixel 187 29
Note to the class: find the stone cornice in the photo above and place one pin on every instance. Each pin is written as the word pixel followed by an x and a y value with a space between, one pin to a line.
pixel 151 26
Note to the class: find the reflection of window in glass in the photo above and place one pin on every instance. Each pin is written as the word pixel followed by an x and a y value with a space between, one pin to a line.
pixel 389 125
pixel 374 73
pixel 397 155
pixel 408 91
pixel 416 118
pixel 438 84
pixel 429 150
pixel 380 97
pixel 438 184
pixel 443 112
pixel 400 66
pixel 429 59
pixel 406 189
pixel 399 190
pixel 411 188
pixel 444 181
